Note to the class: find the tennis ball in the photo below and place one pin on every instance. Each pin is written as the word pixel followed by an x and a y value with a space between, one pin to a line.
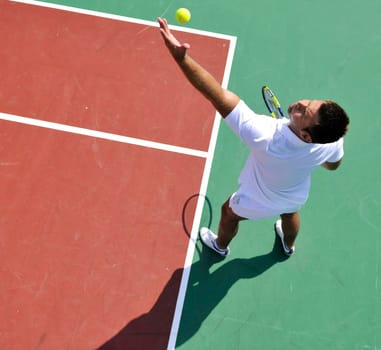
pixel 183 15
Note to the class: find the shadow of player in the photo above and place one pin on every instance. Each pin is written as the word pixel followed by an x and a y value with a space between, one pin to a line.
pixel 205 290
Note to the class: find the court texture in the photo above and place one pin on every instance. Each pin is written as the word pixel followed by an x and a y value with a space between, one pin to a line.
pixel 110 162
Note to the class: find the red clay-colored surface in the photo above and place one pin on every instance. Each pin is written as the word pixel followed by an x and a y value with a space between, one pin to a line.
pixel 91 238
pixel 91 233
pixel 103 74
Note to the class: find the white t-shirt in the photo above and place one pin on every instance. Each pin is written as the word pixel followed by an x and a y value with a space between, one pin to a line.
pixel 278 170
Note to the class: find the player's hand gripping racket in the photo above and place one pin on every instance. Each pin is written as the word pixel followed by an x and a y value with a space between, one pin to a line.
pixel 272 103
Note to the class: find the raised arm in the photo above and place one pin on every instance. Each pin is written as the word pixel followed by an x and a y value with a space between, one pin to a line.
pixel 223 100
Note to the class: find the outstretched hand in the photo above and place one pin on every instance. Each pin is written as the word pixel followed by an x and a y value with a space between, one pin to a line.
pixel 177 49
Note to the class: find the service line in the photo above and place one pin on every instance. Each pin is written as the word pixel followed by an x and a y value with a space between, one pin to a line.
pixel 103 135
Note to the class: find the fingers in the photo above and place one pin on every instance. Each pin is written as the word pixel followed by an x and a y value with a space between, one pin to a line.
pixel 185 46
pixel 177 49
pixel 163 23
pixel 164 28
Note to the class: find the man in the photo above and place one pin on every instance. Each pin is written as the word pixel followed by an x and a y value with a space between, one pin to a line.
pixel 276 178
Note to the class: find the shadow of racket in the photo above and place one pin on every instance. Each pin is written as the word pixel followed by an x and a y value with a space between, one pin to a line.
pixel 189 214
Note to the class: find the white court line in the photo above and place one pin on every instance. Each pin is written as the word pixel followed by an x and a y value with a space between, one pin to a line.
pixel 209 155
pixel 124 18
pixel 199 207
pixel 102 135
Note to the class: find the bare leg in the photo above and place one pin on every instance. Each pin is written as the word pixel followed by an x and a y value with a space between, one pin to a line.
pixel 290 228
pixel 228 226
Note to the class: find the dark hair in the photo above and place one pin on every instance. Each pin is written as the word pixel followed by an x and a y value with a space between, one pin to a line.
pixel 333 123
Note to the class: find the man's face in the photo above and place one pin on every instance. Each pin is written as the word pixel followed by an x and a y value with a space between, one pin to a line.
pixel 303 114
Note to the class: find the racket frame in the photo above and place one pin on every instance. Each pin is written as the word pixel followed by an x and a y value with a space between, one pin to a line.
pixel 272 103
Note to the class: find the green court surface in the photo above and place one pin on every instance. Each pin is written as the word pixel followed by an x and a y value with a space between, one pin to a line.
pixel 327 296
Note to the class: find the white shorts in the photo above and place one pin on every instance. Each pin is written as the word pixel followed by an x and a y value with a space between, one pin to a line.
pixel 244 206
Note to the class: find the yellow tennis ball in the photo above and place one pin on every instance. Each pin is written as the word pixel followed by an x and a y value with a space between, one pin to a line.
pixel 183 15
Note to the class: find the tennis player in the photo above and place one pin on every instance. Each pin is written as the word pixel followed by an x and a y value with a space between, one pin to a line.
pixel 283 153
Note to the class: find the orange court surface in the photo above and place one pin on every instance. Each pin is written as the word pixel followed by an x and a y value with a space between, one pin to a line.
pixel 99 153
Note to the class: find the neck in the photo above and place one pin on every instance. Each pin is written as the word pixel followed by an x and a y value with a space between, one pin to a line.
pixel 297 132
pixel 293 129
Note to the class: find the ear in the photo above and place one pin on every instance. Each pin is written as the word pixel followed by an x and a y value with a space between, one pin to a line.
pixel 305 136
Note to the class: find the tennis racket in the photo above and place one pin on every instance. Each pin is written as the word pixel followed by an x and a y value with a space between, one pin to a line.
pixel 272 103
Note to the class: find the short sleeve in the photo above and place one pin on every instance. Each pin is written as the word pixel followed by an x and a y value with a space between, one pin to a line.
pixel 337 151
pixel 250 127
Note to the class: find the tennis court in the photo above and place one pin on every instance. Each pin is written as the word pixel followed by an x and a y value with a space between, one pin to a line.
pixel 104 143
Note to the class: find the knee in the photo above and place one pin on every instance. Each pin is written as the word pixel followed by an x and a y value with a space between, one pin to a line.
pixel 226 211
pixel 228 214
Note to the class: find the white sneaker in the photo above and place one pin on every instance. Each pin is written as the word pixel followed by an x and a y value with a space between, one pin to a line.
pixel 278 229
pixel 209 239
